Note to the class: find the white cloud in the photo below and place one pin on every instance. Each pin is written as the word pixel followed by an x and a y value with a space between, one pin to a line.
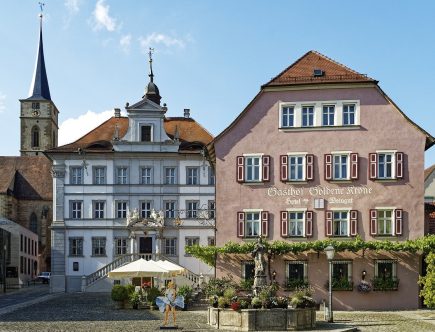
pixel 102 19
pixel 2 102
pixel 73 128
pixel 125 43
pixel 155 38
pixel 73 6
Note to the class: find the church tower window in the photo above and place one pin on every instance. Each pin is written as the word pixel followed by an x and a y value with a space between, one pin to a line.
pixel 33 223
pixel 35 137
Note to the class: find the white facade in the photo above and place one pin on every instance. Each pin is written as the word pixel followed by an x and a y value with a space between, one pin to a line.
pixel 96 192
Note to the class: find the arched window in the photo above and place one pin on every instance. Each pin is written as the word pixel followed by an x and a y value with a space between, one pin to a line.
pixel 54 139
pixel 33 223
pixel 35 137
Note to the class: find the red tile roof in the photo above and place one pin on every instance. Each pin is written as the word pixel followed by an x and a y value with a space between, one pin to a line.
pixel 302 72
pixel 26 177
pixel 99 139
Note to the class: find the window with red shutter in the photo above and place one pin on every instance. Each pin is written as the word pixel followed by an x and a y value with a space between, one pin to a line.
pixel 398 221
pixel 353 222
pixel 328 223
pixel 354 166
pixel 373 166
pixel 284 223
pixel 309 164
pixel 240 224
pixel 266 168
pixel 240 173
pixel 373 222
pixel 283 168
pixel 328 166
pixel 399 165
pixel 308 223
pixel 265 223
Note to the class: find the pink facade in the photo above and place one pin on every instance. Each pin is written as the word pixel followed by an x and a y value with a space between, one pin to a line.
pixel 380 127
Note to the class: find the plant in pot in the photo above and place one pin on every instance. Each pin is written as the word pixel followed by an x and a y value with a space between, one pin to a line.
pixel 152 294
pixel 119 295
pixel 186 292
pixel 302 298
pixel 134 298
pixel 223 302
pixel 256 303
pixel 235 305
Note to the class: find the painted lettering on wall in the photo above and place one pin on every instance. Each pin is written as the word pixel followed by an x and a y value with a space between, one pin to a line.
pixel 319 191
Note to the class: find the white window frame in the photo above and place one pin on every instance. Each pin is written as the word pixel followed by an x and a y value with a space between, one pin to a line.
pixel 76 246
pixel 99 242
pixel 211 176
pixel 121 177
pixel 304 266
pixel 192 179
pixel 170 179
pixel 120 245
pixel 96 208
pixel 75 209
pixel 393 268
pixel 347 220
pixel 393 164
pixel 211 205
pixel 308 107
pixel 293 116
pixel 251 212
pixel 145 208
pixel 393 220
pixel 170 213
pixel 76 179
pixel 250 156
pixel 349 264
pixel 171 246
pixel 348 112
pixel 328 113
pixel 146 175
pixel 289 212
pixel 304 168
pixel 192 209
pixel 341 154
pixel 98 177
pixel 151 132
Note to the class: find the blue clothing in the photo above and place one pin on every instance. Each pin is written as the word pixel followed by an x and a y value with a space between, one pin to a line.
pixel 169 299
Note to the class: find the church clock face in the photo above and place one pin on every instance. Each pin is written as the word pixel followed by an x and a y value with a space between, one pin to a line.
pixel 36 113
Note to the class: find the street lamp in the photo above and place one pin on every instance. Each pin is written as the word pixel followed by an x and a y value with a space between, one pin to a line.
pixel 330 252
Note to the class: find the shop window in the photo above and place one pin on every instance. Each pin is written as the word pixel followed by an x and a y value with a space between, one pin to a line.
pixel 342 275
pixel 385 275
pixel 296 274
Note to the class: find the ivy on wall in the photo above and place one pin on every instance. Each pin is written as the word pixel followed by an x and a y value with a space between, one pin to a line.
pixel 208 254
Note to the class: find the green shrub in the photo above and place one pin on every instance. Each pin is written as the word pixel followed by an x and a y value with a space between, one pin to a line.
pixel 302 298
pixel 223 302
pixel 246 284
pixel 229 293
pixel 134 298
pixel 186 292
pixel 119 293
pixel 428 282
pixel 130 288
pixel 217 286
pixel 152 294
pixel 256 303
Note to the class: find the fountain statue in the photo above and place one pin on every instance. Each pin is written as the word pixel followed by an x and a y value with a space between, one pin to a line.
pixel 260 279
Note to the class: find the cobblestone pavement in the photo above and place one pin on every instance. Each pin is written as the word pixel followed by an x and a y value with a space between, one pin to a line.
pixel 13 297
pixel 96 312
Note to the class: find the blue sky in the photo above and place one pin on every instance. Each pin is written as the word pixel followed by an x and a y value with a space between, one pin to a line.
pixel 211 56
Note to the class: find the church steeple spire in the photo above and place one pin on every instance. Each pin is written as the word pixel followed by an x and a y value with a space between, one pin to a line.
pixel 152 91
pixel 39 88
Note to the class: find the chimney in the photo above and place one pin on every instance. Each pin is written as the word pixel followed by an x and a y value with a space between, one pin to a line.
pixel 117 112
pixel 187 113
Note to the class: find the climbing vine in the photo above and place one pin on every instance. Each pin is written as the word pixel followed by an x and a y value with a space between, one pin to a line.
pixel 208 254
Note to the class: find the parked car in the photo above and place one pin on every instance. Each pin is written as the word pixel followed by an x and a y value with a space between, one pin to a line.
pixel 44 277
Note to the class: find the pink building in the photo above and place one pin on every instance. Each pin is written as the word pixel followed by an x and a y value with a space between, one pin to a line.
pixel 322 152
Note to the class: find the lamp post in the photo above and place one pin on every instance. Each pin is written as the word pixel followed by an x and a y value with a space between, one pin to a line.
pixel 330 251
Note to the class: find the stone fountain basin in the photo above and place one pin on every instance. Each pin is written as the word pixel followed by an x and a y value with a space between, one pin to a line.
pixel 262 319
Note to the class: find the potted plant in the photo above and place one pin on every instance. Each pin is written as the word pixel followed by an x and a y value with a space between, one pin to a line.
pixel 152 294
pixel 119 295
pixel 235 305
pixel 134 298
pixel 256 303
pixel 186 292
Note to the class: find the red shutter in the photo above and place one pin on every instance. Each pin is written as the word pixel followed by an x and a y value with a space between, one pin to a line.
pixel 399 221
pixel 266 168
pixel 309 167
pixel 399 165
pixel 284 223
pixel 328 166
pixel 309 223
pixel 373 166
pixel 328 223
pixel 265 223
pixel 240 224
pixel 353 222
pixel 284 168
pixel 373 222
pixel 240 169
pixel 354 166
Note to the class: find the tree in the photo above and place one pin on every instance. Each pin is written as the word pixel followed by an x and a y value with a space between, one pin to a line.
pixel 428 282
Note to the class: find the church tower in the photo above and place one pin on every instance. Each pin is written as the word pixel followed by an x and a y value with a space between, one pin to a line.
pixel 39 115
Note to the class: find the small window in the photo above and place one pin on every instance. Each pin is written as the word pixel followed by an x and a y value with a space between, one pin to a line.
pixel 248 270
pixel 33 223
pixel 145 133
pixel 121 175
pixel 99 175
pixel 191 241
pixel 296 222
pixel 341 166
pixel 169 175
pixel 169 209
pixel 386 165
pixel 75 266
pixel 146 175
pixel 211 241
pixel 211 176
pixel 328 115
pixel 385 222
pixel 349 114
pixel 121 209
pixel 120 246
pixel 287 117
pixel 252 168
pixel 98 246
pixel 35 137
pixel 340 223
pixel 76 176
pixel 76 210
pixel 296 168
pixel 252 224
pixel 192 175
pixel 36 106
pixel 307 116
pixel 211 209
pixel 192 209
pixel 342 275
pixel 76 246
pixel 171 246
pixel 296 274
pixel 145 208
pixel 385 275
pixel 99 209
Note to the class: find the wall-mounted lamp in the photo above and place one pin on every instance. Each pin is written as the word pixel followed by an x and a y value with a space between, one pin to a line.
pixel 363 274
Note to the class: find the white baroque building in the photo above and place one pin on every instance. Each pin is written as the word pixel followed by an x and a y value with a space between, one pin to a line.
pixel 135 186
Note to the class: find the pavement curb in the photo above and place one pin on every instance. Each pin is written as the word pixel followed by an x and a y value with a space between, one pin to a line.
pixel 14 307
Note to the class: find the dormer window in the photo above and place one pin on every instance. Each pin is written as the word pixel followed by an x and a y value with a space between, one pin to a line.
pixel 146 133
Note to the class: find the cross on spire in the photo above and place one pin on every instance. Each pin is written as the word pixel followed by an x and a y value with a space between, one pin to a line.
pixel 150 54
pixel 41 6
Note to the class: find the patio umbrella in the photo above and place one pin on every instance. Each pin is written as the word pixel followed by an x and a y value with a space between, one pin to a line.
pixel 175 269
pixel 139 268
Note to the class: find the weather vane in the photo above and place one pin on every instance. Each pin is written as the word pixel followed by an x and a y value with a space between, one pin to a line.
pixel 150 53
pixel 41 6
